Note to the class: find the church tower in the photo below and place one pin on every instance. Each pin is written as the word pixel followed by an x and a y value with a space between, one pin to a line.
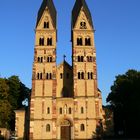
pixel 65 101
pixel 87 97
pixel 44 72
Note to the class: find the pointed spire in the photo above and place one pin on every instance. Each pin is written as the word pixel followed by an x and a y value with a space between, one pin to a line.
pixel 51 8
pixel 76 9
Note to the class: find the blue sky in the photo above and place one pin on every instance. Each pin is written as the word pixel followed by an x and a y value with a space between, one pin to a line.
pixel 117 37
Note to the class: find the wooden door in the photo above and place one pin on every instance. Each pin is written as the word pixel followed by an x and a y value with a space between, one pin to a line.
pixel 65 133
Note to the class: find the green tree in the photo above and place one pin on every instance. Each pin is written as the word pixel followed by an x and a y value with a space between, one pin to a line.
pixel 12 93
pixel 108 121
pixel 5 113
pixel 5 107
pixel 124 99
pixel 4 88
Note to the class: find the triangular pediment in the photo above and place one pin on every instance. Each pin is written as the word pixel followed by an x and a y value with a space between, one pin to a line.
pixel 47 5
pixel 80 5
pixel 46 17
pixel 82 22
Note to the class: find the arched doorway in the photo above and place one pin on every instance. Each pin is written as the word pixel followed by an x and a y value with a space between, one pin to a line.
pixel 65 130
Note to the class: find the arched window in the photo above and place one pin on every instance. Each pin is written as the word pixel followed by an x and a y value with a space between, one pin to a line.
pixel 49 59
pixel 49 41
pixel 80 75
pixel 41 41
pixel 83 25
pixel 60 110
pixel 70 110
pixel 48 128
pixel 90 75
pixel 87 41
pixel 48 76
pixel 82 110
pixel 40 59
pixel 79 41
pixel 89 59
pixel 82 127
pixel 48 110
pixel 46 24
pixel 80 58
pixel 39 76
pixel 61 75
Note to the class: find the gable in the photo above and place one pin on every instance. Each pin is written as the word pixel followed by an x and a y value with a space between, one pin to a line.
pixel 80 4
pixel 46 18
pixel 82 22
pixel 51 8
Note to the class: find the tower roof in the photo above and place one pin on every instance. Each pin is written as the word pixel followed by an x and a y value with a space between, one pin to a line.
pixel 76 9
pixel 50 5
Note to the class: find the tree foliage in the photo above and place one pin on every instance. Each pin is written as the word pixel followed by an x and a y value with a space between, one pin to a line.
pixel 124 98
pixel 12 93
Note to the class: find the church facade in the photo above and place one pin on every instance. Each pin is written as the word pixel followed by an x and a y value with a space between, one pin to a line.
pixel 65 100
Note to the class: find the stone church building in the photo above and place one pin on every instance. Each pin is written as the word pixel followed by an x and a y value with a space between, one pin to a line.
pixel 65 101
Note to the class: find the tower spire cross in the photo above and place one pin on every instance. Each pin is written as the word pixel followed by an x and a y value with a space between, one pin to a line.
pixel 64 57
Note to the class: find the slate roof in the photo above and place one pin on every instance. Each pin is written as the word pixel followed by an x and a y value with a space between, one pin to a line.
pixel 52 10
pixel 64 63
pixel 76 9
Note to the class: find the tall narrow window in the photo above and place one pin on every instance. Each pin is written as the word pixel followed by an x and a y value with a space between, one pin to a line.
pixel 79 41
pixel 89 59
pixel 49 41
pixel 60 110
pixel 82 127
pixel 46 24
pixel 87 41
pixel 80 58
pixel 41 41
pixel 49 59
pixel 82 110
pixel 48 128
pixel 90 75
pixel 48 110
pixel 80 75
pixel 61 75
pixel 39 76
pixel 40 59
pixel 70 110
pixel 49 76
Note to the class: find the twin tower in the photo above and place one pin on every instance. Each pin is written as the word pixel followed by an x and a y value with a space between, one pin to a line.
pixel 65 101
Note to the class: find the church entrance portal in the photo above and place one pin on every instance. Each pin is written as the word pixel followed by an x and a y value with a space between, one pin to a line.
pixel 65 130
